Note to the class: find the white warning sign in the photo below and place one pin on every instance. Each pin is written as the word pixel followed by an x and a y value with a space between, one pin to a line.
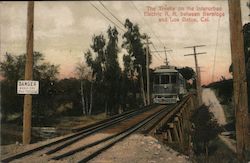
pixel 27 87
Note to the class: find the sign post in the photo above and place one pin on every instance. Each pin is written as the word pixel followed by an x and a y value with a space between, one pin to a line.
pixel 27 106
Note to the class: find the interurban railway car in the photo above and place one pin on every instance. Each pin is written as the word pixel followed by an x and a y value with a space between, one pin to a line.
pixel 169 86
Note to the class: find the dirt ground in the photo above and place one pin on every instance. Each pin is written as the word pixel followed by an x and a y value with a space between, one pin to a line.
pixel 140 149
pixel 209 98
pixel 135 149
pixel 12 133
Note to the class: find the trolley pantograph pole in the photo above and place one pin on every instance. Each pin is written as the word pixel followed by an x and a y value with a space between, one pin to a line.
pixel 165 51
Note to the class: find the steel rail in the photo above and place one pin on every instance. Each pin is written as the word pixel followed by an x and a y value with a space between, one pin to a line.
pixel 110 118
pixel 126 134
pixel 92 144
pixel 84 130
pixel 171 114
pixel 97 129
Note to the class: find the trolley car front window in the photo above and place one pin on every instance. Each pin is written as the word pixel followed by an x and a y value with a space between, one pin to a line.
pixel 157 79
pixel 165 79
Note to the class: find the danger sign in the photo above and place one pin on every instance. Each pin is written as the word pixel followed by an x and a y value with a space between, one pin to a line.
pixel 27 87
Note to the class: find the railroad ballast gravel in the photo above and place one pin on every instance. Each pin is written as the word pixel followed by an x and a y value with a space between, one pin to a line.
pixel 136 148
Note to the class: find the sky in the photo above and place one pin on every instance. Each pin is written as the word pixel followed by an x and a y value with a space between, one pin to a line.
pixel 63 31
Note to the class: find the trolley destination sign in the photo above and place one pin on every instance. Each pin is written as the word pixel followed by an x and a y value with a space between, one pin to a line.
pixel 27 87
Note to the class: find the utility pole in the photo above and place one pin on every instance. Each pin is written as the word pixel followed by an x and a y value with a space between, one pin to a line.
pixel 198 83
pixel 239 79
pixel 27 107
pixel 142 86
pixel 165 51
pixel 147 69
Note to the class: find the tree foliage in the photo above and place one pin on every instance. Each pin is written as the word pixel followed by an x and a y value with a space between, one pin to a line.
pixel 133 43
pixel 205 130
pixel 112 74
pixel 97 63
pixel 135 58
pixel 246 34
pixel 106 71
pixel 12 69
pixel 187 72
pixel 85 77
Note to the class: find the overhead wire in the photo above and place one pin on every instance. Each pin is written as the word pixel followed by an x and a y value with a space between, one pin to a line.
pixel 159 57
pixel 216 46
pixel 147 23
pixel 157 52
pixel 106 17
pixel 149 26
pixel 120 21
pixel 111 13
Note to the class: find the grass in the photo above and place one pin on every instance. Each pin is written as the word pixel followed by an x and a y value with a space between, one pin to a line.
pixel 218 153
pixel 70 122
pixel 12 133
pixel 13 116
pixel 229 112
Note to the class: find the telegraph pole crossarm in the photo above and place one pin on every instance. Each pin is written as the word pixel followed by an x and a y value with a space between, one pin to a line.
pixel 197 69
pixel 162 51
pixel 195 46
pixel 196 54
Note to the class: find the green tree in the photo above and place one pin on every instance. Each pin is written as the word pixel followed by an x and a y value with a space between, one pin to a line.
pixel 135 57
pixel 205 130
pixel 112 73
pixel 187 72
pixel 128 84
pixel 68 97
pixel 97 65
pixel 84 76
pixel 246 34
pixel 12 69
pixel 105 72
pixel 133 43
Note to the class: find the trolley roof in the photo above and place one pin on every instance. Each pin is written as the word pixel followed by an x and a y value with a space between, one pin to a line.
pixel 165 69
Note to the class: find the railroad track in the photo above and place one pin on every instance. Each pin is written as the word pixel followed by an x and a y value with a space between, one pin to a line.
pixel 122 135
pixel 66 147
pixel 80 133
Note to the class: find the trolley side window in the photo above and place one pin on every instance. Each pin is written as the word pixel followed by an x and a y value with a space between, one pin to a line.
pixel 157 79
pixel 173 79
pixel 181 79
pixel 165 79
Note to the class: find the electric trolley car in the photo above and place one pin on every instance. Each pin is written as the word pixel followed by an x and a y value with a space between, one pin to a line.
pixel 169 86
